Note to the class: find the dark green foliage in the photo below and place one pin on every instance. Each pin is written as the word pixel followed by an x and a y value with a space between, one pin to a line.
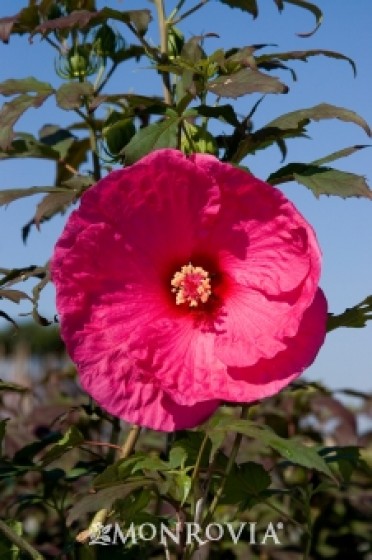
pixel 60 458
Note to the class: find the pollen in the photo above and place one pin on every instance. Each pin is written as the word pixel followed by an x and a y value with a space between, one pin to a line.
pixel 192 285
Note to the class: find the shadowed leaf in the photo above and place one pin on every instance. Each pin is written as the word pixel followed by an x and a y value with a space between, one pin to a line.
pixel 249 6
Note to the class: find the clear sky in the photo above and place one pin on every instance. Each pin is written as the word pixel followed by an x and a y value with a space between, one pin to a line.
pixel 343 226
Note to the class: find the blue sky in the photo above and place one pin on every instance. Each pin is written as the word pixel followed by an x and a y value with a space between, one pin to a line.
pixel 343 226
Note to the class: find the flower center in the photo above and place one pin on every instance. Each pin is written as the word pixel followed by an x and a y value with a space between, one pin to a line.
pixel 192 285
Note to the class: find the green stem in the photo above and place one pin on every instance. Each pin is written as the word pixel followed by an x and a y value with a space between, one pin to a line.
pixel 163 31
pixel 19 541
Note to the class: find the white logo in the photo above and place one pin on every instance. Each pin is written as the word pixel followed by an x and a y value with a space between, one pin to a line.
pixel 188 533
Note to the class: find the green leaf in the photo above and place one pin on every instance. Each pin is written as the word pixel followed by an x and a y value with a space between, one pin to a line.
pixel 311 8
pixel 323 180
pixel 71 95
pixel 353 317
pixel 245 81
pixel 339 154
pixel 12 111
pixel 322 111
pixel 25 85
pixel 302 55
pixel 291 449
pixel 9 195
pixel 71 439
pixel 162 134
pixel 254 478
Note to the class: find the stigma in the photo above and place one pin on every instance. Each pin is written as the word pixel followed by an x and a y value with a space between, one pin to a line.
pixel 192 285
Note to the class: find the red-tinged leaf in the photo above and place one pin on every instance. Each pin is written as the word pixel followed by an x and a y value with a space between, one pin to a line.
pixel 245 81
pixel 25 85
pixel 140 19
pixel 14 295
pixel 71 95
pixel 6 26
pixel 52 204
pixel 319 112
pixel 77 19
pixel 12 111
pixel 83 18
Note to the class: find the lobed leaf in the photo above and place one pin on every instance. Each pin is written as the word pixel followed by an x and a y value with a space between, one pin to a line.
pixel 25 85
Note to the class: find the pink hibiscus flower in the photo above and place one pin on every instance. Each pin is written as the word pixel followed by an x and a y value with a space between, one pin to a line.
pixel 183 282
